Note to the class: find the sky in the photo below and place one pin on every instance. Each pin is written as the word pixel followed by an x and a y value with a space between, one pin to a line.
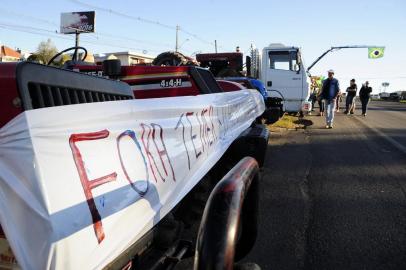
pixel 149 27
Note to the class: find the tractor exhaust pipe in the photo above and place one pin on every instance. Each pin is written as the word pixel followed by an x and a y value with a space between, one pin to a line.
pixel 228 228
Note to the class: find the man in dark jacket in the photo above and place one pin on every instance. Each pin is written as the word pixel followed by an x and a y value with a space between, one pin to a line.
pixel 329 92
pixel 364 95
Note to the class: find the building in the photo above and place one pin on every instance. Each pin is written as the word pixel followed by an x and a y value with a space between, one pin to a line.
pixel 90 58
pixel 9 55
pixel 127 58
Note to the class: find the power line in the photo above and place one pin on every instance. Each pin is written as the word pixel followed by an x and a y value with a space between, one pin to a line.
pixel 121 14
pixel 31 30
pixel 196 37
pixel 101 34
pixel 47 33
pixel 32 18
pixel 24 27
pixel 98 34
pixel 141 19
pixel 132 39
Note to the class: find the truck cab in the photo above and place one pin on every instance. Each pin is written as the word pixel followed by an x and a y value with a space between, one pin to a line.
pixel 284 76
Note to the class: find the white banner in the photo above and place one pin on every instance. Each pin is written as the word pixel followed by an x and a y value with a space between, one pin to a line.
pixel 79 184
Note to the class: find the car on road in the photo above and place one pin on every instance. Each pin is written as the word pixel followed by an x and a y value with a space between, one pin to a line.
pixel 384 95
pixel 394 96
pixel 402 95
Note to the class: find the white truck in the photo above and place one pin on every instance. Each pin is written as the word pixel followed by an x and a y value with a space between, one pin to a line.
pixel 284 75
pixel 282 71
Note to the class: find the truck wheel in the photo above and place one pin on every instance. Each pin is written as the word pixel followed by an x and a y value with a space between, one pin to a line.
pixel 171 59
pixel 252 142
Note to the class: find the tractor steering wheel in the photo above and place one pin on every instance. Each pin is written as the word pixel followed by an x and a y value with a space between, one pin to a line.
pixel 76 48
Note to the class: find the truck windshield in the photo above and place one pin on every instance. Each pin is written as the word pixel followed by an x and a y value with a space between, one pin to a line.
pixel 284 60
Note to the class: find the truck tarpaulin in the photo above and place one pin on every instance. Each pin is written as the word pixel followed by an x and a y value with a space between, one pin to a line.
pixel 80 184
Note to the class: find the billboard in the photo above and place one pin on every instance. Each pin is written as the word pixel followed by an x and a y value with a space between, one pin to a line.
pixel 82 22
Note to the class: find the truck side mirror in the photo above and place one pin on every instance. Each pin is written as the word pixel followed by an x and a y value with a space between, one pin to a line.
pixel 296 68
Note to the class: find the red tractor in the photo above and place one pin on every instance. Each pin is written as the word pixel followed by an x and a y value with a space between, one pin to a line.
pixel 153 168
pixel 222 64
pixel 229 67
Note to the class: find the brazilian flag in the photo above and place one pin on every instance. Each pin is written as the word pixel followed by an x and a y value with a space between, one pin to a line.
pixel 375 52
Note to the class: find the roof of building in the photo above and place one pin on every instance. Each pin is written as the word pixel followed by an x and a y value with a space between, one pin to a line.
pixel 6 51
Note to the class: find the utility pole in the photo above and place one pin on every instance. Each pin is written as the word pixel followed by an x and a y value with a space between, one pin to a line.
pixel 215 45
pixel 177 38
pixel 75 54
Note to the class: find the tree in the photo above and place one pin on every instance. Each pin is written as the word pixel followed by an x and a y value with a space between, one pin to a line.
pixel 65 57
pixel 45 51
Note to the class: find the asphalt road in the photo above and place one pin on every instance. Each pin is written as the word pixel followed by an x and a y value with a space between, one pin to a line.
pixel 336 198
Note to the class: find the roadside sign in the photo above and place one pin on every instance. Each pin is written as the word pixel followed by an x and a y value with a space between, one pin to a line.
pixel 77 22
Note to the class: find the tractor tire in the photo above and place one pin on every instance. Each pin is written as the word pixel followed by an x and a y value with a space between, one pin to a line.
pixel 271 115
pixel 190 210
pixel 171 59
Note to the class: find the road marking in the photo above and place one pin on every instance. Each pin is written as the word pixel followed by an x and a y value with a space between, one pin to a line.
pixel 389 139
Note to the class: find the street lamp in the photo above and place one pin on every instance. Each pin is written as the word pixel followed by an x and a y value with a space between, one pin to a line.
pixel 385 85
pixel 180 46
pixel 194 53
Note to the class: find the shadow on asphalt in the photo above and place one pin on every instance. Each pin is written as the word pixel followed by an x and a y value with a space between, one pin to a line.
pixel 332 199
pixel 393 109
pixel 304 122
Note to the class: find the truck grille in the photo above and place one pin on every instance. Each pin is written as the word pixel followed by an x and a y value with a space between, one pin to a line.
pixel 43 95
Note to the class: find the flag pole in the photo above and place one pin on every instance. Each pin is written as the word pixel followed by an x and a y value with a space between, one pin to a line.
pixel 339 48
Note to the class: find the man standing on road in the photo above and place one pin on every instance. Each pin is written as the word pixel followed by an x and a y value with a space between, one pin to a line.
pixel 329 94
pixel 364 95
pixel 350 100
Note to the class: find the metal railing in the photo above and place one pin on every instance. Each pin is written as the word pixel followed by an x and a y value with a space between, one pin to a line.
pixel 229 224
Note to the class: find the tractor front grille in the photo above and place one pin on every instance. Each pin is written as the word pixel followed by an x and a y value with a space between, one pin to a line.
pixel 42 86
pixel 43 95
